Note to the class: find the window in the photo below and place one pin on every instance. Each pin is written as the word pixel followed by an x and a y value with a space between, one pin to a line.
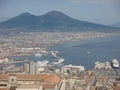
pixel 12 80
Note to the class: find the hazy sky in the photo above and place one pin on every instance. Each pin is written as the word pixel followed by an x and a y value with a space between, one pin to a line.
pixel 99 11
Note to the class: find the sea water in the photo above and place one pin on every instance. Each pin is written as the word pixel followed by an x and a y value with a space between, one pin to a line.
pixel 84 52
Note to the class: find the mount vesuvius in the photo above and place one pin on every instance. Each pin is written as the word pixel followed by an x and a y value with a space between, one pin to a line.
pixel 51 21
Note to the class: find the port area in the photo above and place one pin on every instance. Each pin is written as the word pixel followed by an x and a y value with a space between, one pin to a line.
pixel 104 75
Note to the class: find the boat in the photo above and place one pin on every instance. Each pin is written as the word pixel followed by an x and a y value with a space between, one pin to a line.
pixel 54 53
pixel 115 63
pixel 88 53
pixel 38 55
pixel 58 61
pixel 42 63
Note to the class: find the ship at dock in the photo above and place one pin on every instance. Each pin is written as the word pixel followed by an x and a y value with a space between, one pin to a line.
pixel 38 55
pixel 42 63
pixel 54 54
pixel 115 63
pixel 58 61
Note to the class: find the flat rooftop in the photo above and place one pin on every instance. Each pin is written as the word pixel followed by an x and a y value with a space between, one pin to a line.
pixel 29 86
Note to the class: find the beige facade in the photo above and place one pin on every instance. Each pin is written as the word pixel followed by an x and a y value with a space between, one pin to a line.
pixel 29 87
pixel 40 70
pixel 26 68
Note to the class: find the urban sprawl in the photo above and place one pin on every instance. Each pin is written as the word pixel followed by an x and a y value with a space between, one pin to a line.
pixel 52 75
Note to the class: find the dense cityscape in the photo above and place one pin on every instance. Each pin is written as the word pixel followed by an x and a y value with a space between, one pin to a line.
pixel 52 75
pixel 59 45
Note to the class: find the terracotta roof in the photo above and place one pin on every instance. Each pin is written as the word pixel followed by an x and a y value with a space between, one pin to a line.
pixel 3 88
pixel 48 86
pixel 117 88
pixel 28 77
pixel 4 76
pixel 44 77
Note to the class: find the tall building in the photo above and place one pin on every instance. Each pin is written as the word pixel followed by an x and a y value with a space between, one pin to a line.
pixel 32 68
pixel 26 68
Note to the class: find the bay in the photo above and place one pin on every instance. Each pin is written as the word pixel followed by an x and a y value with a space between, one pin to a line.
pixel 87 52
pixel 84 52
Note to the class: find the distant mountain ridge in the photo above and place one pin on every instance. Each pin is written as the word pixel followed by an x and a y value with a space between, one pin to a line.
pixel 51 21
pixel 116 24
